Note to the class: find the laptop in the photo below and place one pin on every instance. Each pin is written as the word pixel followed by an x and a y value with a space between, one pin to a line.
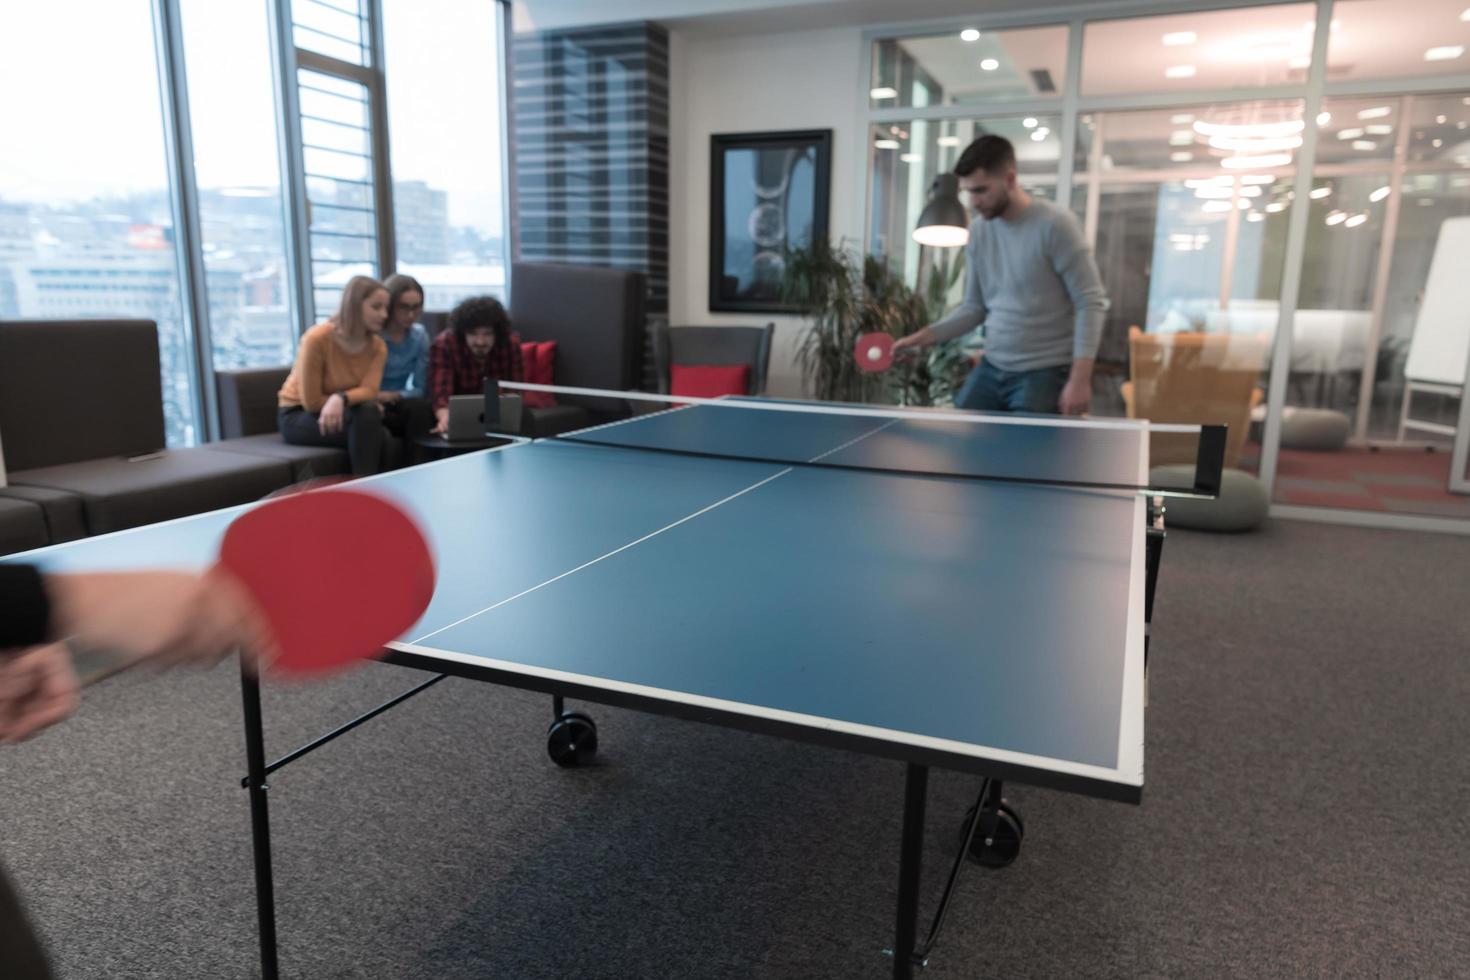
pixel 467 416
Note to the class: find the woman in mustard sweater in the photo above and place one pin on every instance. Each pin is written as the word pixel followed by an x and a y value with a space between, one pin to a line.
pixel 331 396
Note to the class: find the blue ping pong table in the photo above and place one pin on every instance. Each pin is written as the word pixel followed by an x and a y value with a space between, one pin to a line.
pixel 907 585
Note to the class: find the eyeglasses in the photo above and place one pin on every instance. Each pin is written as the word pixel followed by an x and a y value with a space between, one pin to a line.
pixel 415 307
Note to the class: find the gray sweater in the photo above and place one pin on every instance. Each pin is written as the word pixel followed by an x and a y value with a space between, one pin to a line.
pixel 1034 285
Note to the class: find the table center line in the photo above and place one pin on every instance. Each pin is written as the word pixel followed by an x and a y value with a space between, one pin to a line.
pixel 615 551
pixel 852 442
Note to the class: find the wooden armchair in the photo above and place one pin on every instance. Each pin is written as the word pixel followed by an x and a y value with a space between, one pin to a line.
pixel 1194 378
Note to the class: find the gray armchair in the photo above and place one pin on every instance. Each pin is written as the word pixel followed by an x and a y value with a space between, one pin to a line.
pixel 713 345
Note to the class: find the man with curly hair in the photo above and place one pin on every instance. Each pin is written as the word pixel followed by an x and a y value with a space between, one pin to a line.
pixel 478 346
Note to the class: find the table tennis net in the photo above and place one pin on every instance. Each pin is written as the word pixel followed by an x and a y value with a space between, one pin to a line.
pixel 921 442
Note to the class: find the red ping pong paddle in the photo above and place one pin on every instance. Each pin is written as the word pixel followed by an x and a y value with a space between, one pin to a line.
pixel 302 557
pixel 874 352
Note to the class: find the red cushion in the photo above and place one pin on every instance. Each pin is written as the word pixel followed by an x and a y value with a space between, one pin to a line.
pixel 538 362
pixel 709 380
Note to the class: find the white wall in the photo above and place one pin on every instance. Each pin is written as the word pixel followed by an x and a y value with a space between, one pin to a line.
pixel 756 83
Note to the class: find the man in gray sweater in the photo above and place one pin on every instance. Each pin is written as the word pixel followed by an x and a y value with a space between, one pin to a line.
pixel 1032 282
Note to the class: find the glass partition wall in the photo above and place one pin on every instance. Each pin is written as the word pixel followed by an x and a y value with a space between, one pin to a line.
pixel 1195 148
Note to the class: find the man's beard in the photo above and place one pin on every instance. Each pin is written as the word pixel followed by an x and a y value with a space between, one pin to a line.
pixel 1000 208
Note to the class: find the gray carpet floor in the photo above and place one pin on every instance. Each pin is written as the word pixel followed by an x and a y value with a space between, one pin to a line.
pixel 1307 814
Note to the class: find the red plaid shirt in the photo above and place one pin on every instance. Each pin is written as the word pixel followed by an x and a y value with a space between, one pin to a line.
pixel 454 370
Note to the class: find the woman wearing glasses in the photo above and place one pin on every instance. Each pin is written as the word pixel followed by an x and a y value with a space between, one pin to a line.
pixel 405 375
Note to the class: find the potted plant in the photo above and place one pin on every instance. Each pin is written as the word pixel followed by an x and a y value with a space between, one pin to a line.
pixel 846 295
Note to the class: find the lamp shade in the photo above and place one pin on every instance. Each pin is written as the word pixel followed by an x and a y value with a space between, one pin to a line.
pixel 943 223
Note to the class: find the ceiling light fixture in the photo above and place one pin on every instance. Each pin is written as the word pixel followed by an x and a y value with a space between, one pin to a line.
pixel 1182 118
pixel 1249 179
pixel 1210 192
pixel 1276 206
pixel 1350 134
pixel 1336 217
pixel 1377 112
pixel 883 92
pixel 1215 206
pixel 1255 216
pixel 1378 129
pixel 1181 137
pixel 1256 145
pixel 969 35
pixel 1302 62
pixel 1250 190
pixel 1441 120
pixel 1355 220
pixel 1448 52
pixel 1178 38
pixel 1250 130
pixel 948 141
pixel 1465 15
pixel 1323 118
pixel 910 157
pixel 1364 145
pixel 886 144
pixel 1259 162
pixel 1029 122
pixel 1179 71
pixel 989 64
pixel 1037 135
pixel 1181 156
pixel 1319 192
pixel 1380 194
pixel 1241 204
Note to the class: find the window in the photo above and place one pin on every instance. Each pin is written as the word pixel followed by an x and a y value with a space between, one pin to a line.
pixel 1373 39
pixel 336 147
pixel 444 113
pixel 1252 46
pixel 907 156
pixel 86 228
pixel 1360 345
pixel 232 119
pixel 335 28
pixel 970 67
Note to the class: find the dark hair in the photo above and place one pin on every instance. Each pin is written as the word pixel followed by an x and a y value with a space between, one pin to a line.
pixel 398 284
pixel 990 153
pixel 477 312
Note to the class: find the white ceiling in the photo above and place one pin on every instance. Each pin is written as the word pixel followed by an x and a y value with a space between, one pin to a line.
pixel 1242 47
pixel 757 16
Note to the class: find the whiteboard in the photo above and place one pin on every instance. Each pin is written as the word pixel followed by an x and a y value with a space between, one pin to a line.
pixel 1441 341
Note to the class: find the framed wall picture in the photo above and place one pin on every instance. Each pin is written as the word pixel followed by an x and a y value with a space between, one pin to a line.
pixel 768 194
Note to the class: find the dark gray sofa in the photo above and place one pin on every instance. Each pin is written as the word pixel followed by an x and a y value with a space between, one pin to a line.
pixel 247 408
pixel 81 424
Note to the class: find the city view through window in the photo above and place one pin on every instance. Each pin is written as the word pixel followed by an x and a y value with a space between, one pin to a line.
pixel 86 221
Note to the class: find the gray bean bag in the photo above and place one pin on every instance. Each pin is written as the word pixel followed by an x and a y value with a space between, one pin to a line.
pixel 1318 429
pixel 1241 506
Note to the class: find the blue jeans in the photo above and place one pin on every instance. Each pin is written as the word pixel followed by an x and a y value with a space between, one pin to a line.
pixel 990 389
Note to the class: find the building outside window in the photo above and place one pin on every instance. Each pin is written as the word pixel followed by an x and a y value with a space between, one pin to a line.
pixel 86 228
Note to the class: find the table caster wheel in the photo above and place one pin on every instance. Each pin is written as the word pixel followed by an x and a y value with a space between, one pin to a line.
pixel 572 740
pixel 1003 844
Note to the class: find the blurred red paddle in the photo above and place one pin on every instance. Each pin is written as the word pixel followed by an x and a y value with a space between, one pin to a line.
pixel 305 559
pixel 874 352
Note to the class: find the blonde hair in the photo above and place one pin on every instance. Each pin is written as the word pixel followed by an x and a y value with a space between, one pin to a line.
pixel 349 312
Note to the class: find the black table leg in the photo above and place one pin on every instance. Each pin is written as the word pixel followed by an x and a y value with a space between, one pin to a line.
pixel 911 853
pixel 265 900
